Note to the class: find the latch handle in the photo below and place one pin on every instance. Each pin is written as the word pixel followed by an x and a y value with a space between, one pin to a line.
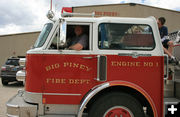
pixel 134 54
pixel 89 57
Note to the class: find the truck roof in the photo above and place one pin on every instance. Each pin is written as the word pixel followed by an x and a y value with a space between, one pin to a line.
pixel 111 19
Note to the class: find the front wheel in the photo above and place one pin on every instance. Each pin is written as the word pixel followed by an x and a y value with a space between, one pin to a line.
pixel 116 104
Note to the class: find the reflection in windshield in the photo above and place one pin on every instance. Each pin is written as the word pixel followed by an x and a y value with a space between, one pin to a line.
pixel 125 36
pixel 43 35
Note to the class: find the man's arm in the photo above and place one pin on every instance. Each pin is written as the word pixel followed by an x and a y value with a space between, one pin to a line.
pixel 82 43
pixel 77 46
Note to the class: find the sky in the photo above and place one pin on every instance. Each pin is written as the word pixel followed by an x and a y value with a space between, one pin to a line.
pixel 19 16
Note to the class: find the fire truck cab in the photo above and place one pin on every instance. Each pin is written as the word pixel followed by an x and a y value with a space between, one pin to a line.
pixel 120 73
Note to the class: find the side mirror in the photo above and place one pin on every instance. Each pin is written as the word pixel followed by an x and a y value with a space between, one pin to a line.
pixel 62 33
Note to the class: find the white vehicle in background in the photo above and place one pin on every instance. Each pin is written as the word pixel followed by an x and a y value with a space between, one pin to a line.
pixel 21 74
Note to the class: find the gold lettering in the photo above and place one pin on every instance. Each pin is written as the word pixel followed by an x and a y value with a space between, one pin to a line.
pixel 112 63
pixel 151 64
pixel 48 68
pixel 71 81
pixel 47 80
pixel 82 66
pixel 70 64
pixel 138 64
pixel 82 81
pixel 145 64
pixel 61 81
pixel 53 66
pixel 58 80
pixel 56 65
pixel 79 81
pixel 55 81
pixel 85 81
pixel 118 64
pixel 125 64
pixel 66 64
pixel 148 64
pixel 76 65
pixel 87 68
pixel 76 81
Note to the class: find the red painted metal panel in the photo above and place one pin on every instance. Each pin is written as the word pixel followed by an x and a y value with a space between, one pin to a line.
pixel 69 74
pixel 69 77
pixel 145 72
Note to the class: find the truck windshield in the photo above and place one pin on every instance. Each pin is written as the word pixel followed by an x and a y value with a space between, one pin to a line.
pixel 43 35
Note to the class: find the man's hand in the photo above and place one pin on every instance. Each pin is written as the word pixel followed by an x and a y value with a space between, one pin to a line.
pixel 77 47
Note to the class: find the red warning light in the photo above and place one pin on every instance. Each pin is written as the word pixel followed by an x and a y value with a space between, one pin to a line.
pixel 66 9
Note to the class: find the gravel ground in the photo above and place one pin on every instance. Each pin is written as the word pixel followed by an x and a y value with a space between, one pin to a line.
pixel 6 92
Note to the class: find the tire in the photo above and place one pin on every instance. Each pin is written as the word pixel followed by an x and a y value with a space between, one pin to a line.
pixel 4 82
pixel 116 104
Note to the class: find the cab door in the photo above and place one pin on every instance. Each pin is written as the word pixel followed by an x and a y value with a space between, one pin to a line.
pixel 132 59
pixel 69 74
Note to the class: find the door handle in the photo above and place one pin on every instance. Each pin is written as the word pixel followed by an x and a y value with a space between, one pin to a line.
pixel 89 57
pixel 134 54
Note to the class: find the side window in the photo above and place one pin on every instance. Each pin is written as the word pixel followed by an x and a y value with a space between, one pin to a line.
pixel 125 37
pixel 78 34
pixel 73 38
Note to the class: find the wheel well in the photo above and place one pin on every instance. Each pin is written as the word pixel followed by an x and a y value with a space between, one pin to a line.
pixel 136 94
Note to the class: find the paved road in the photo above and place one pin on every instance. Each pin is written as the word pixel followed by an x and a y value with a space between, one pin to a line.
pixel 7 92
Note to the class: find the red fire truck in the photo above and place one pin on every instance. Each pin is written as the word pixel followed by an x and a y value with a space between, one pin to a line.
pixel 120 74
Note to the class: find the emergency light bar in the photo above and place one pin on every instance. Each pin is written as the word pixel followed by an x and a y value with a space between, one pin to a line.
pixel 66 9
pixel 67 12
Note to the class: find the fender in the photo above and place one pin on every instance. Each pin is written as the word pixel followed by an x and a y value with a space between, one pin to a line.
pixel 88 97
pixel 99 88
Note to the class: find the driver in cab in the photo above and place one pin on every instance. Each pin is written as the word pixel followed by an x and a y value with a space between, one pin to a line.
pixel 80 40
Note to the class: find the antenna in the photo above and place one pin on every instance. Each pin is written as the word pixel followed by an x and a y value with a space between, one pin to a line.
pixel 50 14
pixel 51 5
